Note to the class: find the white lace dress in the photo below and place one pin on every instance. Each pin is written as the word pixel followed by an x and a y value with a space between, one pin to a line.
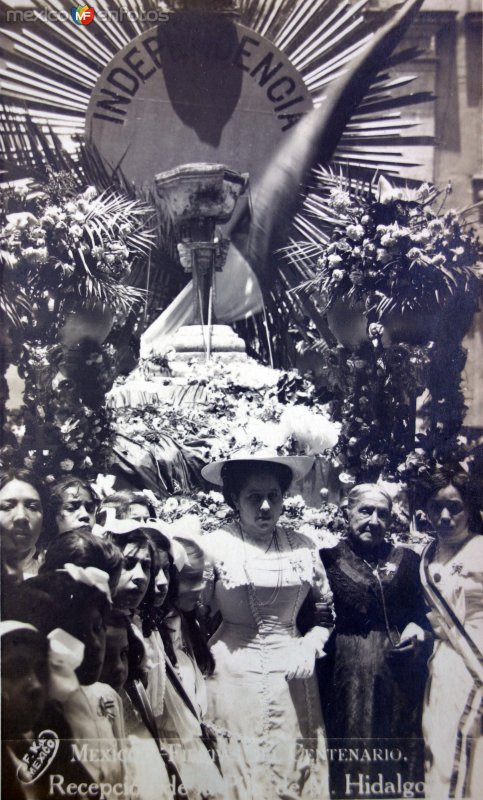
pixel 272 735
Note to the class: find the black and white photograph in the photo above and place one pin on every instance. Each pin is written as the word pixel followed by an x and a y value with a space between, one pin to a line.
pixel 241 398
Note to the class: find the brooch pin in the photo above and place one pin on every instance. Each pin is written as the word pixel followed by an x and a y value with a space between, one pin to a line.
pixel 389 569
pixel 106 708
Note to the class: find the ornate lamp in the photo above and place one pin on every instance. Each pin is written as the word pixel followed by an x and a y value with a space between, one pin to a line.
pixel 199 197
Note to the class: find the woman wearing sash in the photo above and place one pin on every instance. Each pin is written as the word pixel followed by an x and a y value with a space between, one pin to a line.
pixel 452 577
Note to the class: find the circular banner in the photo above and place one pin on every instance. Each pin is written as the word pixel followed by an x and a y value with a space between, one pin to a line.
pixel 198 88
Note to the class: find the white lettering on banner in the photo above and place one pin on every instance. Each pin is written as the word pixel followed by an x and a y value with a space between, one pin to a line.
pixel 97 755
pixel 361 785
pixel 365 754
pixel 57 788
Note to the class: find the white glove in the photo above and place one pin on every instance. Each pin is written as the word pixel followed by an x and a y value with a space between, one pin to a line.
pixel 305 651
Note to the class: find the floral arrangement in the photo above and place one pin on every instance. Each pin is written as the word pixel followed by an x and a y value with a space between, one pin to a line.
pixel 391 249
pixel 64 433
pixel 372 391
pixel 325 525
pixel 68 256
pixel 81 248
pixel 240 404
pixel 397 284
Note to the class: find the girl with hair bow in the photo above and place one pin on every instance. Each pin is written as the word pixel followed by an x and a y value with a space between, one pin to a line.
pixel 69 606
pixel 36 739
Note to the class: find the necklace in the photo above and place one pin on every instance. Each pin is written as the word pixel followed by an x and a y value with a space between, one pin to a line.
pixel 252 592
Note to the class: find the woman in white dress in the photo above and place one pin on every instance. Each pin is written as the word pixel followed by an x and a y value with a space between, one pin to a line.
pixel 452 577
pixel 263 696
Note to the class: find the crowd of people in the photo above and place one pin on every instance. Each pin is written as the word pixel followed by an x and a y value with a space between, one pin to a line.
pixel 151 661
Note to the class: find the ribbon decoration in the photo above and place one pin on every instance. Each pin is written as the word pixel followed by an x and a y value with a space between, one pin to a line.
pixel 120 527
pixel 90 576
pixel 10 625
pixel 66 653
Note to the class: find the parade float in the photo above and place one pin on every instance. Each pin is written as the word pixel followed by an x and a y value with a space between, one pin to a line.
pixel 219 285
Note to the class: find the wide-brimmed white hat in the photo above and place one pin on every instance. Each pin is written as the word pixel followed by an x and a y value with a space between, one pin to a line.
pixel 299 465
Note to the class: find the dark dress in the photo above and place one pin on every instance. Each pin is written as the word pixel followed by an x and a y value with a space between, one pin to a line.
pixel 372 698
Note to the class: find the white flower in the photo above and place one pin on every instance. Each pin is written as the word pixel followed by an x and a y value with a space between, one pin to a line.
pixel 347 479
pixel 375 329
pixel 343 246
pixel 36 255
pixel 423 236
pixel 387 240
pixel 382 255
pixel 216 497
pixel 337 275
pixel 390 194
pixel 90 193
pixel 334 260
pixel 271 434
pixel 171 505
pixel 340 200
pixel 67 465
pixel 313 431
pixel 355 232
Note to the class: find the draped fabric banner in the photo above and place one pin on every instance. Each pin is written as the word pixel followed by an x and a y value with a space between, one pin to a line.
pixel 237 296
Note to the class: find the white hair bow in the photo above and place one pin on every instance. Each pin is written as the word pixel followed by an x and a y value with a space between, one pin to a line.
pixel 66 653
pixel 90 576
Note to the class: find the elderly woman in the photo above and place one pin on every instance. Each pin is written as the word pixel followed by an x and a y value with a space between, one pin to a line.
pixel 263 694
pixel 372 685
pixel 452 577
